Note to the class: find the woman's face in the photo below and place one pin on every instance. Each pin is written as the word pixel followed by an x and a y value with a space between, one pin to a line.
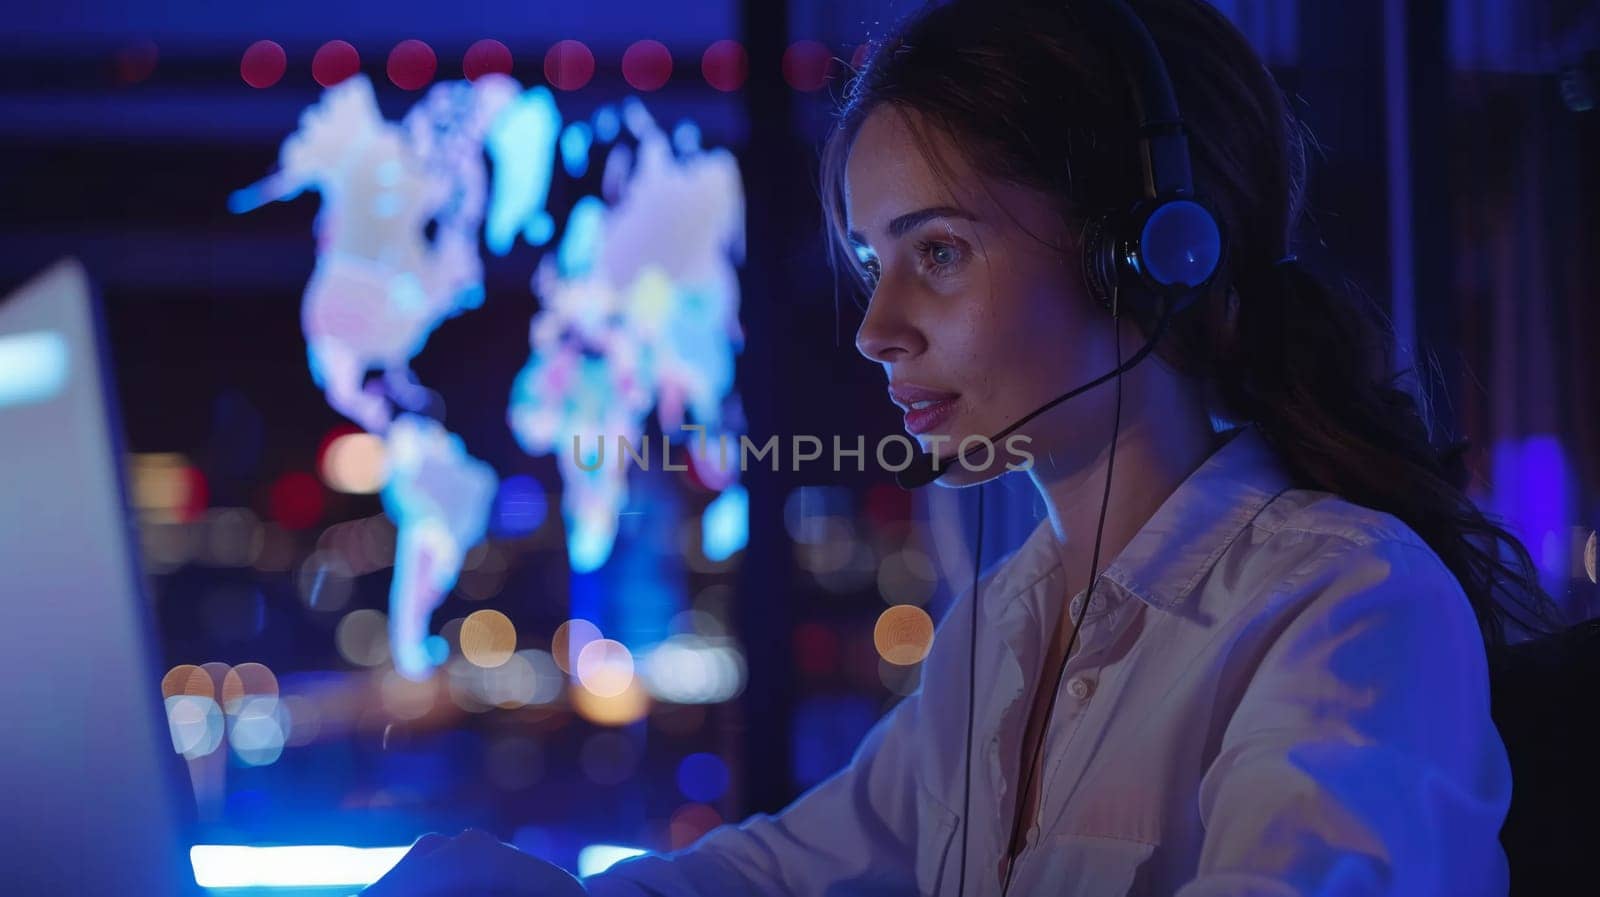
pixel 972 310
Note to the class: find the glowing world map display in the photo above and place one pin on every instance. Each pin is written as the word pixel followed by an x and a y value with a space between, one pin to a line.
pixel 638 306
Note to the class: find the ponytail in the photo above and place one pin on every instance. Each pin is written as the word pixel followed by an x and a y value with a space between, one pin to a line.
pixel 1308 365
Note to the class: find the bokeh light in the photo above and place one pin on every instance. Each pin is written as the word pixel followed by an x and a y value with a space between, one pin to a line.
pixel 619 710
pixel 325 581
pixel 195 723
pixel 569 640
pixel 464 682
pixel 725 525
pixel 233 537
pixel 703 778
pixel 715 600
pixel 549 681
pixel 407 698
pixel 900 680
pixel 568 65
pixel 486 57
pixel 167 546
pixel 605 667
pixel 809 511
pixel 335 61
pixel 135 62
pixel 488 638
pixel 259 731
pixel 829 551
pixel 696 622
pixel 218 671
pixel 646 65
pixel 816 649
pixel 903 634
pixel 187 679
pixel 247 680
pixel 411 65
pixel 263 64
pixel 857 572
pixel 887 506
pixel 806 64
pixel 508 685
pixel 689 823
pixel 362 637
pixel 305 720
pixel 691 669
pixel 295 500
pixel 907 576
pixel 354 463
pixel 725 65
pixel 277 554
pixel 167 488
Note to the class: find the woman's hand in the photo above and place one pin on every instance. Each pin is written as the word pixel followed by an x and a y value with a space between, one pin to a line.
pixel 472 864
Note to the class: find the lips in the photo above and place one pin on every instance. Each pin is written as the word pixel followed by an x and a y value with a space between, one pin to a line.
pixel 926 409
pixel 930 417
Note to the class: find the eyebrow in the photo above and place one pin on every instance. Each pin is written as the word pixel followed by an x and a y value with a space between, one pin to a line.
pixel 903 224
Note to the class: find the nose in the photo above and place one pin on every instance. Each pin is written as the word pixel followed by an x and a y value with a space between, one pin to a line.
pixel 887 333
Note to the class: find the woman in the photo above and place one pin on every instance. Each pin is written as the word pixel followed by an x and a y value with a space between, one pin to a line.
pixel 1278 684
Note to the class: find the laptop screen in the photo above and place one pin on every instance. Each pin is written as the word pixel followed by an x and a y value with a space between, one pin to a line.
pixel 93 790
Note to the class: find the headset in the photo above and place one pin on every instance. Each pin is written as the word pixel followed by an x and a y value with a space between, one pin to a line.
pixel 1158 255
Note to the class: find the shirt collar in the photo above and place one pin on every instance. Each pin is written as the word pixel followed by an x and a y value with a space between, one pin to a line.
pixel 1191 529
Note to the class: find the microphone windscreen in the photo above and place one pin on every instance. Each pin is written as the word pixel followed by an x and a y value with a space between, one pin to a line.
pixel 925 467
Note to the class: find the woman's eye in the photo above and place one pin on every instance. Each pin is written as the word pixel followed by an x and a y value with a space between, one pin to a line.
pixel 940 256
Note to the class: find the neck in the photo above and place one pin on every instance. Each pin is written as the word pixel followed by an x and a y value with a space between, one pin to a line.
pixel 1155 453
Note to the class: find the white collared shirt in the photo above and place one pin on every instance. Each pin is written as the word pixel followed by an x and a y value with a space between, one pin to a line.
pixel 1276 692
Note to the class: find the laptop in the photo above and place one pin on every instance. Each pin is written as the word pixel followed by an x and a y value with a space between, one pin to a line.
pixel 93 798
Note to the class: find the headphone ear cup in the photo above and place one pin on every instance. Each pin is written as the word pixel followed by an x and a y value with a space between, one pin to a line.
pixel 1178 246
pixel 1099 261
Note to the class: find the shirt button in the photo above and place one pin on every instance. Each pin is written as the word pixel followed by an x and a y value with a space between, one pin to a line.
pixel 1079 687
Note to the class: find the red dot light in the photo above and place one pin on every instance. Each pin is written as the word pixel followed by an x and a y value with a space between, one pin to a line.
pixel 725 65
pixel 486 57
pixel 335 61
pixel 568 65
pixel 816 649
pixel 263 64
pixel 199 495
pixel 805 65
pixel 136 62
pixel 412 64
pixel 646 65
pixel 295 501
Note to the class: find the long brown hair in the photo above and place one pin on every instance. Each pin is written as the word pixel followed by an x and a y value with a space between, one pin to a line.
pixel 1032 98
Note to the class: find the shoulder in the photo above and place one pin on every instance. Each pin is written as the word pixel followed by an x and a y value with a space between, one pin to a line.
pixel 1313 559
pixel 1311 552
pixel 1329 518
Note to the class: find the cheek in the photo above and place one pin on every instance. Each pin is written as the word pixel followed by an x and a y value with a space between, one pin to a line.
pixel 1037 323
